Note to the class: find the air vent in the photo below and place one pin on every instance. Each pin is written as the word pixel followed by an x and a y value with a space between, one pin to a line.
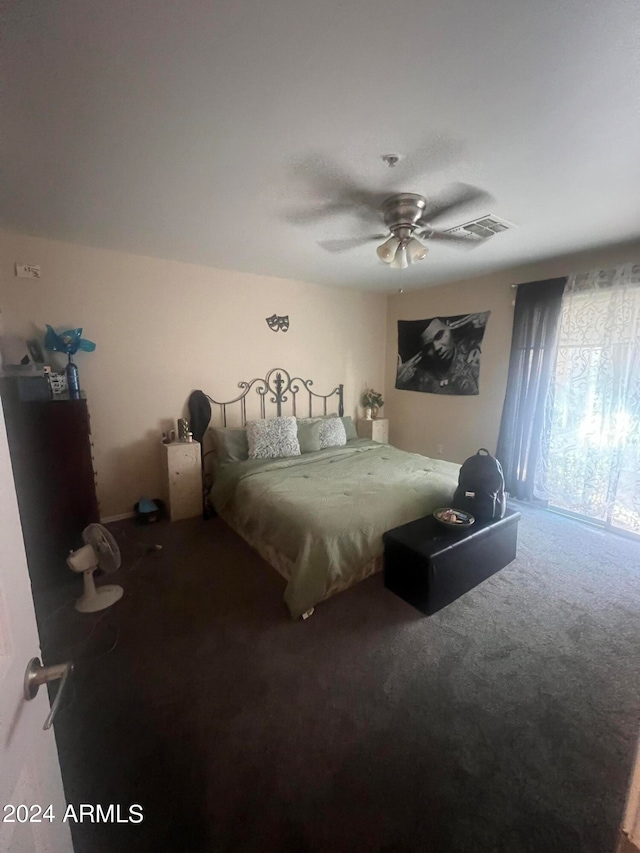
pixel 485 226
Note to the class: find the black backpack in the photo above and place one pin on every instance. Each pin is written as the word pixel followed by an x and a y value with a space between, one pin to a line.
pixel 481 487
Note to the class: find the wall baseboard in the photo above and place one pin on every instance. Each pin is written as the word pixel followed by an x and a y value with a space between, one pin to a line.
pixel 108 519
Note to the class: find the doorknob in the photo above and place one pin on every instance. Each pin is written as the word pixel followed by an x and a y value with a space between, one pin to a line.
pixel 37 674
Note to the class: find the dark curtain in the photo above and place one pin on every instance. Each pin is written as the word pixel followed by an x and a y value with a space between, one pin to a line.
pixel 533 351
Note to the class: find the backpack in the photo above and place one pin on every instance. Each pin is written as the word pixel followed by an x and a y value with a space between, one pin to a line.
pixel 481 487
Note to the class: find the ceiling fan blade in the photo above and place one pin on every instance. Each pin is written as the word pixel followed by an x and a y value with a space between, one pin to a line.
pixel 342 245
pixel 331 182
pixel 435 154
pixel 456 198
pixel 461 240
pixel 305 217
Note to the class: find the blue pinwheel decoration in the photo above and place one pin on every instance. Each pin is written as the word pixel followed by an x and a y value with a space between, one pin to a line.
pixel 68 342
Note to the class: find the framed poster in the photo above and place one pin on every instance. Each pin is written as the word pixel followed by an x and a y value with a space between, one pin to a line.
pixel 441 355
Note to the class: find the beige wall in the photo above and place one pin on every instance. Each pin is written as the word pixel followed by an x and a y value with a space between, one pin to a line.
pixel 419 422
pixel 163 329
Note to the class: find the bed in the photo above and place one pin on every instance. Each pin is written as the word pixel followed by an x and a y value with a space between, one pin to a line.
pixel 318 517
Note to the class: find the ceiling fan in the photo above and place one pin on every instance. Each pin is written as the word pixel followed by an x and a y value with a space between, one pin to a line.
pixel 409 217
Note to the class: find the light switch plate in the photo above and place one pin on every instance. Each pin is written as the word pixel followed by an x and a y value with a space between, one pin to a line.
pixel 28 270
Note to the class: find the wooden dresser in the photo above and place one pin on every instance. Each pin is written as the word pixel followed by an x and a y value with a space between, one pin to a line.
pixel 51 455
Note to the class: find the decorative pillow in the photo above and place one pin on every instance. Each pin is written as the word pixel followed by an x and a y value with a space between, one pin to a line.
pixel 273 438
pixel 332 432
pixel 349 427
pixel 231 444
pixel 309 435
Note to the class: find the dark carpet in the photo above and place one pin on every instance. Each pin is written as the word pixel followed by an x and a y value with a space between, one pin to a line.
pixel 506 722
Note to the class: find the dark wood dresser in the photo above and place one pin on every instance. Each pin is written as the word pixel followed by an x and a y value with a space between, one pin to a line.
pixel 51 454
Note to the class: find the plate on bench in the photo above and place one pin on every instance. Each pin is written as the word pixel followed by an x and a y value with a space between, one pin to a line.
pixel 456 519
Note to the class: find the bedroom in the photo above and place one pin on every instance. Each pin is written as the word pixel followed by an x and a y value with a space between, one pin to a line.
pixel 117 174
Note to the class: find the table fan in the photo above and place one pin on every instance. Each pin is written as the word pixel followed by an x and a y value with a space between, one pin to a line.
pixel 99 551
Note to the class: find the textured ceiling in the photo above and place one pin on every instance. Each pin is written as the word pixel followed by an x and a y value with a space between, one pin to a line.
pixel 192 130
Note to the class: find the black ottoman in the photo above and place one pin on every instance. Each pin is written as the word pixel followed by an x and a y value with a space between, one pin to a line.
pixel 429 565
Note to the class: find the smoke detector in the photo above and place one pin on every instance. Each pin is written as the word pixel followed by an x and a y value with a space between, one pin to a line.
pixel 483 227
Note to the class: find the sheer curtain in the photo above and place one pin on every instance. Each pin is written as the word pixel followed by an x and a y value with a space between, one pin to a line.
pixel 531 364
pixel 592 443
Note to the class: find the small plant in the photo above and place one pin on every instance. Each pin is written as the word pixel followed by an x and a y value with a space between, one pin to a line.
pixel 371 398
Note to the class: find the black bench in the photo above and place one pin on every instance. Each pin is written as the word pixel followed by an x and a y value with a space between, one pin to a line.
pixel 429 565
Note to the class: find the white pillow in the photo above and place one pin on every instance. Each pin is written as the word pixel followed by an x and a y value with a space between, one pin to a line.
pixel 332 431
pixel 273 438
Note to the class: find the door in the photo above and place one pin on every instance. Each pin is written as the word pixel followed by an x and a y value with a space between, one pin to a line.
pixel 29 769
pixel 630 829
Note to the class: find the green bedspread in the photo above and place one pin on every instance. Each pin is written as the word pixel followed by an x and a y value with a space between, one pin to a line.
pixel 327 511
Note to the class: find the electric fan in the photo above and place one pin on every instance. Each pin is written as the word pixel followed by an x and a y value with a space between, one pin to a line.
pixel 101 550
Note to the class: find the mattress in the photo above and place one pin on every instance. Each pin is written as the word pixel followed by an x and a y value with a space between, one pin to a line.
pixel 319 518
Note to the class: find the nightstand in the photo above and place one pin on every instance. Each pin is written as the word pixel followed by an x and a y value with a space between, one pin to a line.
pixel 376 429
pixel 183 479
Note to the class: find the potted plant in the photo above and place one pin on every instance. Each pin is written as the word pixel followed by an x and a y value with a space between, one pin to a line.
pixel 372 402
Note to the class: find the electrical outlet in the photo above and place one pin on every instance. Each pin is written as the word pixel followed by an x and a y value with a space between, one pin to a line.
pixel 439 449
pixel 27 271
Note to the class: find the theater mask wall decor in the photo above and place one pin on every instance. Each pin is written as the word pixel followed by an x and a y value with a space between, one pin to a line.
pixel 278 324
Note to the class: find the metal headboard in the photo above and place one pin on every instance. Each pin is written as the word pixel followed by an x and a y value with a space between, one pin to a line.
pixel 276 388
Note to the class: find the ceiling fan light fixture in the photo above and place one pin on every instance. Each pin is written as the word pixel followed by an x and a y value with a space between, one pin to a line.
pixel 416 250
pixel 401 261
pixel 387 251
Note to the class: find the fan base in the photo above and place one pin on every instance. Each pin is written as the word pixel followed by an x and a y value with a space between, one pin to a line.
pixel 104 597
